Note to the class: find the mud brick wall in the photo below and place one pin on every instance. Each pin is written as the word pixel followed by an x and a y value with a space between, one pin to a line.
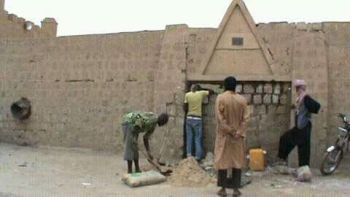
pixel 269 107
pixel 310 63
pixel 13 27
pixel 338 41
pixel 278 37
pixel 79 87
pixel 2 5
pixel 169 90
pixel 197 47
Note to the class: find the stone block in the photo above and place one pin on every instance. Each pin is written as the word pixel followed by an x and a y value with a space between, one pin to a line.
pixel 259 89
pixel 251 110
pixel 281 109
pixel 259 110
pixel 253 122
pixel 271 109
pixel 268 88
pixel 284 99
pixel 275 99
pixel 257 99
pixel 239 88
pixel 248 97
pixel 252 140
pixel 249 89
pixel 267 99
pixel 277 89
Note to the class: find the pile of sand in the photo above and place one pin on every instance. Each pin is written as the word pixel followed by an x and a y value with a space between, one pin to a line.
pixel 188 173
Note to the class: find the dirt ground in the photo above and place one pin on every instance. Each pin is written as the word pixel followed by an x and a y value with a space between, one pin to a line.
pixel 48 171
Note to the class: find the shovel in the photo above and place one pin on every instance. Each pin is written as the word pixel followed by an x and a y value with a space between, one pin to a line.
pixel 166 171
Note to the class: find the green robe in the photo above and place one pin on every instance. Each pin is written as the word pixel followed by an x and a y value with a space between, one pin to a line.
pixel 135 123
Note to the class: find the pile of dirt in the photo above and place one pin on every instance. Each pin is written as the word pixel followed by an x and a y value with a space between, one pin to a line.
pixel 188 173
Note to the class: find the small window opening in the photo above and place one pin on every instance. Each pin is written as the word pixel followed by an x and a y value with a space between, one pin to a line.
pixel 237 41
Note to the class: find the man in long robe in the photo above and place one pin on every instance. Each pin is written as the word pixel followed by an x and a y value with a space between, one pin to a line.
pixel 232 115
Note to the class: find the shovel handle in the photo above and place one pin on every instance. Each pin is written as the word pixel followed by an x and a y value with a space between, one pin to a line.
pixel 151 161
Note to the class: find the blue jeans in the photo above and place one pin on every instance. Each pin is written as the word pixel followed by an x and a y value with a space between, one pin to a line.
pixel 194 132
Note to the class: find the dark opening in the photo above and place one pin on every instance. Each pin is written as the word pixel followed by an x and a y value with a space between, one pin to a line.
pixel 237 41
pixel 21 109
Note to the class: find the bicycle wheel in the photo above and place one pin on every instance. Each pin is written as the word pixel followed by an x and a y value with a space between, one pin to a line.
pixel 331 161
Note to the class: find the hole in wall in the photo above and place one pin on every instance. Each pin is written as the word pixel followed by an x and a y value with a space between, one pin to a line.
pixel 21 109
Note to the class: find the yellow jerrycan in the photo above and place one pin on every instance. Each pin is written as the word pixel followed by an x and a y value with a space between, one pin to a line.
pixel 257 159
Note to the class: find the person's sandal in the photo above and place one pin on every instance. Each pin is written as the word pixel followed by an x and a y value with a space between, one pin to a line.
pixel 222 193
pixel 236 193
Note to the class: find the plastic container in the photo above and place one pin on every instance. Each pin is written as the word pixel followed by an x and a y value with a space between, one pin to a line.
pixel 257 159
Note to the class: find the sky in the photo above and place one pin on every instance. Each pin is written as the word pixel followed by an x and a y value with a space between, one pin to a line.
pixel 77 17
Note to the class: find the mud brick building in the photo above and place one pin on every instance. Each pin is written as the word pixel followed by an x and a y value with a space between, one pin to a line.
pixel 80 86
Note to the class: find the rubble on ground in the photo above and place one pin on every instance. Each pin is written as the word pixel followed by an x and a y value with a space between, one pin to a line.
pixel 208 164
pixel 304 174
pixel 282 169
pixel 190 174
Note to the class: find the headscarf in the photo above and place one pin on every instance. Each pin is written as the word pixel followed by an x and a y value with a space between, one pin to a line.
pixel 301 84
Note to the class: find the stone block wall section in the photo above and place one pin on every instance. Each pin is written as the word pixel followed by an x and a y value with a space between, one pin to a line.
pixel 265 93
pixel 268 118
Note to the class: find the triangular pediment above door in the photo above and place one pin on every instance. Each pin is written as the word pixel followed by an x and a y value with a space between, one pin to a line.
pixel 237 48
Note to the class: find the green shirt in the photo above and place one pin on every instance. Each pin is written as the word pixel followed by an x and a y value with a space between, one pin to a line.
pixel 142 122
pixel 195 100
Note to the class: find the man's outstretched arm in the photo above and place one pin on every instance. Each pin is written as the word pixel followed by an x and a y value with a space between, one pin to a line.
pixel 146 143
pixel 211 92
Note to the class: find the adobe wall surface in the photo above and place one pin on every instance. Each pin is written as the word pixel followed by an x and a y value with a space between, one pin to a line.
pixel 79 87
pixel 66 78
pixel 337 39
pixel 169 90
pixel 2 5
pixel 317 53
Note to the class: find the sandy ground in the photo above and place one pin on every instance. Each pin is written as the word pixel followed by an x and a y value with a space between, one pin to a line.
pixel 48 171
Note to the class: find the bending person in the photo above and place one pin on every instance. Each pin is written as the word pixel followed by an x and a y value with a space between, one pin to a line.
pixel 133 124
